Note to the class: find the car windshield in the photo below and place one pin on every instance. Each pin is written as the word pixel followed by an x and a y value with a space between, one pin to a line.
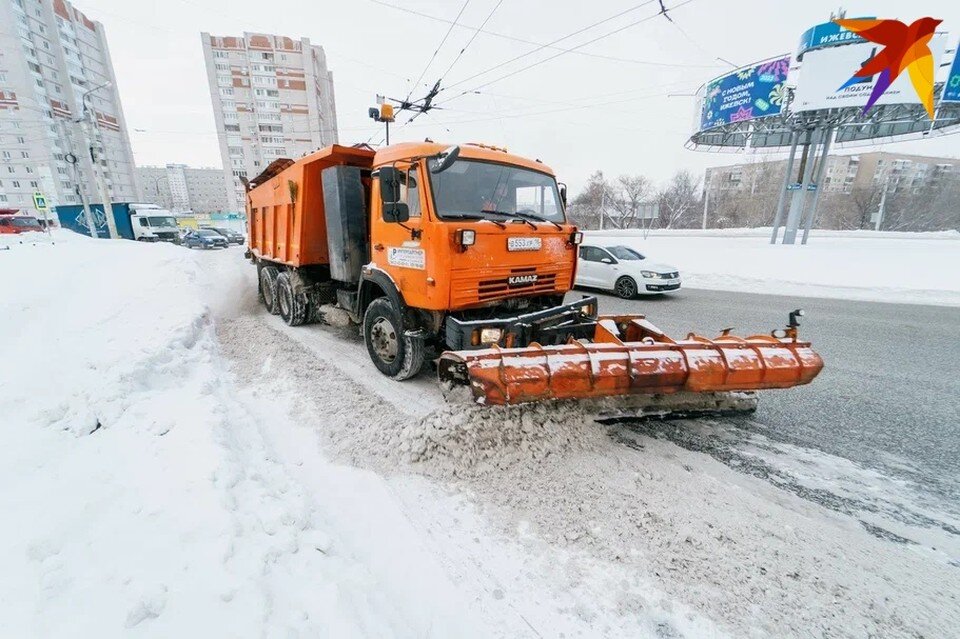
pixel 164 221
pixel 624 253
pixel 26 222
pixel 207 233
pixel 475 189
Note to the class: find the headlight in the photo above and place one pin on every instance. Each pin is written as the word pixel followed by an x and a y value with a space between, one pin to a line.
pixel 490 335
pixel 467 237
pixel 649 274
pixel 576 238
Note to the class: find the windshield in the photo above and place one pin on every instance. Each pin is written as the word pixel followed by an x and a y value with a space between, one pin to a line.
pixel 162 221
pixel 624 253
pixel 489 190
pixel 207 233
pixel 26 222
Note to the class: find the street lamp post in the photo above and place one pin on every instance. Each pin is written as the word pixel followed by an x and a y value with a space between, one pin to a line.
pixel 88 126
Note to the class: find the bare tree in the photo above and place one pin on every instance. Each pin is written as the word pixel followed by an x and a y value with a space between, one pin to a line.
pixel 680 200
pixel 630 194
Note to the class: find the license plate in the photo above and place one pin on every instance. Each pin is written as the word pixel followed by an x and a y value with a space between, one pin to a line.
pixel 523 243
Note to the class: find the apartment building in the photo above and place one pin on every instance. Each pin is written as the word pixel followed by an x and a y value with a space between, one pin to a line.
pixel 272 97
pixel 52 56
pixel 896 172
pixel 179 187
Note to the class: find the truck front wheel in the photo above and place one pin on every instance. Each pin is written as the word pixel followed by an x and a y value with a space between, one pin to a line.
pixel 268 288
pixel 393 352
pixel 292 306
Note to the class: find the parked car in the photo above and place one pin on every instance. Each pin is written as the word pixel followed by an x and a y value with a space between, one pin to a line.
pixel 233 237
pixel 204 238
pixel 15 224
pixel 624 271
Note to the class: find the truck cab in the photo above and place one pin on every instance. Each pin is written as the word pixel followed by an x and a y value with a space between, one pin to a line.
pixel 150 223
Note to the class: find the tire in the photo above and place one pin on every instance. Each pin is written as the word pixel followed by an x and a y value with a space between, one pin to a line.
pixel 293 307
pixel 625 288
pixel 268 288
pixel 392 352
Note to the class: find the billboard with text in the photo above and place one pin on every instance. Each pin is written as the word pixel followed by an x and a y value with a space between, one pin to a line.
pixel 951 89
pixel 752 92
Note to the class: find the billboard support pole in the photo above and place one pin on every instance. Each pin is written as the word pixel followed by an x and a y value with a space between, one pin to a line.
pixel 799 200
pixel 778 216
pixel 818 180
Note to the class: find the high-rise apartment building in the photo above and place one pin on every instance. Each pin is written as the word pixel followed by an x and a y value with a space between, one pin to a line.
pixel 179 187
pixel 52 56
pixel 272 97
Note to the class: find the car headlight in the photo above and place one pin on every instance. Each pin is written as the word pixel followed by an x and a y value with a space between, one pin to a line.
pixel 467 237
pixel 649 274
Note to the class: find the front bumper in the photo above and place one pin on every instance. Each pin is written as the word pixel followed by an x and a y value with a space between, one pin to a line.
pixel 556 325
pixel 662 287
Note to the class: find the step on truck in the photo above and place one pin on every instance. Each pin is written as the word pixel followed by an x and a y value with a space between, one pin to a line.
pixel 462 256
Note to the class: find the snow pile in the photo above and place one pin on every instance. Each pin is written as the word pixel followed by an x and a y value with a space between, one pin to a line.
pixel 916 268
pixel 458 440
pixel 141 494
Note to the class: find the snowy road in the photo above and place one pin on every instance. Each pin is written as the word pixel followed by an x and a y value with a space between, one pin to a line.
pixel 193 464
pixel 889 396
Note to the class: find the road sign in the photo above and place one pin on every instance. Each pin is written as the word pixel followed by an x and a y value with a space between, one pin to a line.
pixel 40 202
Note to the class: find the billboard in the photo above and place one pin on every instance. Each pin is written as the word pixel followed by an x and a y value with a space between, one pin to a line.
pixel 951 88
pixel 828 34
pixel 825 70
pixel 756 91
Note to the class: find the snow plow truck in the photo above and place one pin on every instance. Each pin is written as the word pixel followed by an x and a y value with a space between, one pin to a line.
pixel 462 255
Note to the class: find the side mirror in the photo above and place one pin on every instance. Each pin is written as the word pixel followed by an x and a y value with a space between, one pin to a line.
pixel 396 212
pixel 389 185
pixel 606 260
pixel 563 195
pixel 445 159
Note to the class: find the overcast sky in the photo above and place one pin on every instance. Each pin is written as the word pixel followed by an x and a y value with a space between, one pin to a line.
pixel 624 108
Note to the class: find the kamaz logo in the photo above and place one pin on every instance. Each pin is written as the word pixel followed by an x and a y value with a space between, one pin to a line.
pixel 522 280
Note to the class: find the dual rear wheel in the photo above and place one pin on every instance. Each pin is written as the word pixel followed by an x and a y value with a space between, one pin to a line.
pixel 279 296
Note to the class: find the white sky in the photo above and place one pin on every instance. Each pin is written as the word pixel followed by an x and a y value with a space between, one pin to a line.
pixel 577 113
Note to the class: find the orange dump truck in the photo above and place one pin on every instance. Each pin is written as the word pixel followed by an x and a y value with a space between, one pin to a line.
pixel 462 255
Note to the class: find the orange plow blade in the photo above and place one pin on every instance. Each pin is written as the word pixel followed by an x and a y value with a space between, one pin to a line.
pixel 630 356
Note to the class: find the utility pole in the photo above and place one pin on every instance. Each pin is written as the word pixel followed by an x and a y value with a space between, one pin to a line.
pixel 88 122
pixel 71 158
pixel 706 201
pixel 883 205
pixel 603 199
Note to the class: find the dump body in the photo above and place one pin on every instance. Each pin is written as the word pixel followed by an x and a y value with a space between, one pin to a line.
pixel 285 210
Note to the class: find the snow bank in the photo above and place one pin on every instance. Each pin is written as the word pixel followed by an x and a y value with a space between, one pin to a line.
pixel 914 268
pixel 140 494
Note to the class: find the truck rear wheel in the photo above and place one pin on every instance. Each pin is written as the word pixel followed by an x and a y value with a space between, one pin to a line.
pixel 292 306
pixel 268 288
pixel 392 351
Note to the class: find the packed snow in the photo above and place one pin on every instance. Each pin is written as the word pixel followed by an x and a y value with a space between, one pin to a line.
pixel 904 268
pixel 177 462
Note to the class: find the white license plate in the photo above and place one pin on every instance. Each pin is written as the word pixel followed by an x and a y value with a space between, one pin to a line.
pixel 523 243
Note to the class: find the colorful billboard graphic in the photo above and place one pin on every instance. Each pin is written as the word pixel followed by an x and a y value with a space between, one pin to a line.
pixel 828 34
pixel 752 92
pixel 951 89
pixel 823 70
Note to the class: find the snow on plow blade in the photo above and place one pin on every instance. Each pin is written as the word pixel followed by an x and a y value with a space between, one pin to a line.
pixel 630 356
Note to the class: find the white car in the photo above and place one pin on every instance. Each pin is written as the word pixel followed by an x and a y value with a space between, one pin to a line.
pixel 624 271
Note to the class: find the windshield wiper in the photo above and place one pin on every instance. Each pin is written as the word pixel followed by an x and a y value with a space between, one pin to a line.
pixel 463 216
pixel 510 215
pixel 531 216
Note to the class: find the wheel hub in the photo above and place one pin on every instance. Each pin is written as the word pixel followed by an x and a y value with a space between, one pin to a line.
pixel 383 337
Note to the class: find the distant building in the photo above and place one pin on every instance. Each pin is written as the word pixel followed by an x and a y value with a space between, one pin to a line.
pixel 51 54
pixel 896 172
pixel 178 187
pixel 272 97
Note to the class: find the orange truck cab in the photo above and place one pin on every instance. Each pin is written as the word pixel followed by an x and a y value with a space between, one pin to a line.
pixel 428 247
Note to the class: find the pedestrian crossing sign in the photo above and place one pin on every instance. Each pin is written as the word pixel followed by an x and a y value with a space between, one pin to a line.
pixel 39 201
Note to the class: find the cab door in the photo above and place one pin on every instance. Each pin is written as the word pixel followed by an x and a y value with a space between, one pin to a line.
pixel 399 247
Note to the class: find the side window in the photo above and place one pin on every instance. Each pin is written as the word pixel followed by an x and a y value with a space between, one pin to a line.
pixel 410 191
pixel 589 254
pixel 143 221
pixel 604 254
